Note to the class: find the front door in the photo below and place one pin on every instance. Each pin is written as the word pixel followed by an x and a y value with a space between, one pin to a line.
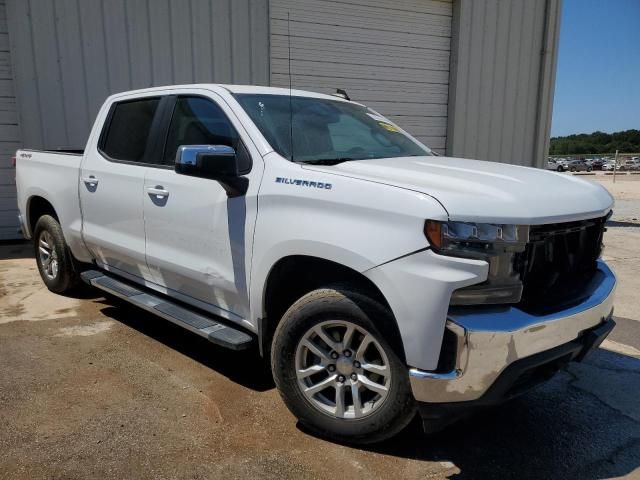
pixel 198 241
pixel 111 188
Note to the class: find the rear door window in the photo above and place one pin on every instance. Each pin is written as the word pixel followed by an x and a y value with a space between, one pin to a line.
pixel 128 130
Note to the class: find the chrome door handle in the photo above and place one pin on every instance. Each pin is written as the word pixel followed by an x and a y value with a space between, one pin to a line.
pixel 90 180
pixel 157 191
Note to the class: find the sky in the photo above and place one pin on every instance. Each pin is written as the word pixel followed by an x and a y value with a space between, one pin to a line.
pixel 598 76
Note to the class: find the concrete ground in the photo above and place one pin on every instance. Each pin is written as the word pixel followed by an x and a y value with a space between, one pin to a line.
pixel 91 388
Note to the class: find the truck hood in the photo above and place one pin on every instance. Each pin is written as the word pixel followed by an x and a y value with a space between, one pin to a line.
pixel 474 190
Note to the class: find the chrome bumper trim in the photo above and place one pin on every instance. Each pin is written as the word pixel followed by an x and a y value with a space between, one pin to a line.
pixel 490 339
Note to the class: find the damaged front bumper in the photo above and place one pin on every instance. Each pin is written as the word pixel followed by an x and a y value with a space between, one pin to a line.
pixel 499 352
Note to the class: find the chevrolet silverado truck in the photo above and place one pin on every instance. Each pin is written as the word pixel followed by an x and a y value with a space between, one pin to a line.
pixel 379 279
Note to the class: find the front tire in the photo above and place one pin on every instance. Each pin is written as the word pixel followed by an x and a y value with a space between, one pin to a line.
pixel 337 372
pixel 53 257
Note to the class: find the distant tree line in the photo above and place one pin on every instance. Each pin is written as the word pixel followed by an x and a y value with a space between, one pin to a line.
pixel 596 142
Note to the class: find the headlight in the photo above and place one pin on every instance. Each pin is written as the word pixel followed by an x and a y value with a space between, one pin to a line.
pixel 498 244
pixel 473 239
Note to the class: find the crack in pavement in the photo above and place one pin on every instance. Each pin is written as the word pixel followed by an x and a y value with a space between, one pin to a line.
pixel 612 459
pixel 575 378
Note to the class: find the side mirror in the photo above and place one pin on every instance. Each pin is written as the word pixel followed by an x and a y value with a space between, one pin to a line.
pixel 216 162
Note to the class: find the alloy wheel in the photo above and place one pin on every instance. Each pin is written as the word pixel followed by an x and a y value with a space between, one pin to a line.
pixel 342 370
pixel 48 255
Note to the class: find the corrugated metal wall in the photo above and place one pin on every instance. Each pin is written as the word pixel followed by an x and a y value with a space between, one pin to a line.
pixel 69 55
pixel 9 135
pixel 390 54
pixel 503 77
pixel 395 55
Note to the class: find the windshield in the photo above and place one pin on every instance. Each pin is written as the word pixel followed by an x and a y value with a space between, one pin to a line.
pixel 327 131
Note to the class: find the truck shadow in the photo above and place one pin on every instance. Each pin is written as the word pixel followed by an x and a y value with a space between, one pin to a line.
pixel 15 249
pixel 245 367
pixel 583 424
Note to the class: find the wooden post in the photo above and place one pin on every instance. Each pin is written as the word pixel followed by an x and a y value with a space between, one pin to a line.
pixel 615 166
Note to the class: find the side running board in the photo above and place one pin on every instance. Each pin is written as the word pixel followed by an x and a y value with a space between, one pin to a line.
pixel 213 331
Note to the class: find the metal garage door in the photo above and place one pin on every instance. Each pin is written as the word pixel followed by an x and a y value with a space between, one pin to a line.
pixel 390 54
pixel 9 137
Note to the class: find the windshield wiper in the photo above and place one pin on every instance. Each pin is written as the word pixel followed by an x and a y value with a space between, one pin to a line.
pixel 328 161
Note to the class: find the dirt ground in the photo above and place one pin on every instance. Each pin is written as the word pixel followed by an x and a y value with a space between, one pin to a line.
pixel 92 388
pixel 626 191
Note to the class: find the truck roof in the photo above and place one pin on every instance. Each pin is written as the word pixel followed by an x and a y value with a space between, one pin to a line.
pixel 240 89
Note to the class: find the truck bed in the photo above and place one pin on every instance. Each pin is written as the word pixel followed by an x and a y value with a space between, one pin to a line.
pixel 61 151
pixel 52 176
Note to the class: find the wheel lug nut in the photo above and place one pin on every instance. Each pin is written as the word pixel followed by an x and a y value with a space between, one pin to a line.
pixel 332 368
pixel 354 377
pixel 356 364
pixel 341 378
pixel 347 353
pixel 334 355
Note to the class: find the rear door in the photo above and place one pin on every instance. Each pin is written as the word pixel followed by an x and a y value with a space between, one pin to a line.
pixel 198 239
pixel 111 186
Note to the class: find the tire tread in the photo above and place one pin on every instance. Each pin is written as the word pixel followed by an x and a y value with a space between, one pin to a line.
pixel 68 279
pixel 342 297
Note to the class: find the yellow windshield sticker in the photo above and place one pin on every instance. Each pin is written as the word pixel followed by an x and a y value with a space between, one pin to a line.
pixel 389 127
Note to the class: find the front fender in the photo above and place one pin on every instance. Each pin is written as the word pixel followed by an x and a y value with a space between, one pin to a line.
pixel 355 223
pixel 418 289
pixel 263 268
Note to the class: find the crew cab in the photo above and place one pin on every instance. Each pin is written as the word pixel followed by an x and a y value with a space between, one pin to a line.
pixel 378 279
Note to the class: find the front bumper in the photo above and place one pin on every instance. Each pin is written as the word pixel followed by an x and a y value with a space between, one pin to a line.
pixel 489 340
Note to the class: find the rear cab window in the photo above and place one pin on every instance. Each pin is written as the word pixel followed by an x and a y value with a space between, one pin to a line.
pixel 126 132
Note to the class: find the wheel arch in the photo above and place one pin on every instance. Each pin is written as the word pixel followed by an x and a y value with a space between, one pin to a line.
pixel 37 206
pixel 293 276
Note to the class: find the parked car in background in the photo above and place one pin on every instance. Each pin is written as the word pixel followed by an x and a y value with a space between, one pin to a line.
pixel 608 166
pixel 596 163
pixel 578 166
pixel 554 165
pixel 629 165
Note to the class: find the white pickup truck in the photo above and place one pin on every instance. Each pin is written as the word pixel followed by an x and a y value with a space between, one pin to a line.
pixel 378 278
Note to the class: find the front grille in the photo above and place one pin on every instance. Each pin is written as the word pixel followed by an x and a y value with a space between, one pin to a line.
pixel 558 262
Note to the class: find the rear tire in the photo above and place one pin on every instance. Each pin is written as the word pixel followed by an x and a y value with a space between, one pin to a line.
pixel 53 257
pixel 367 397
